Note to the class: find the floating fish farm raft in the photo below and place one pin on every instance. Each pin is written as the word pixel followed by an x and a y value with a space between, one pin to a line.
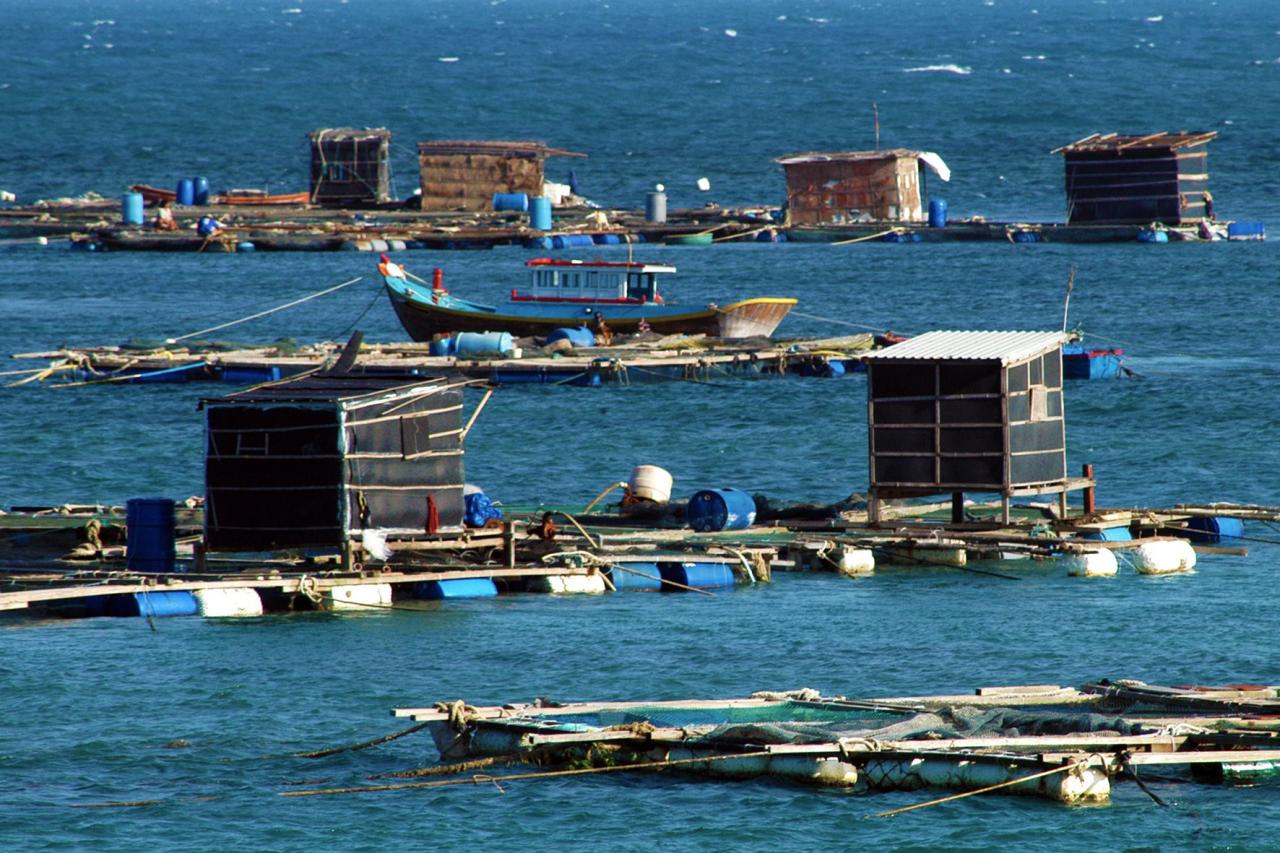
pixel 1066 744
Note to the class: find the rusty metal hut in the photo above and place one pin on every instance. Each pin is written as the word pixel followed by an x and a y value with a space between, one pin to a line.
pixel 955 412
pixel 466 174
pixel 1160 177
pixel 350 167
pixel 316 461
pixel 838 187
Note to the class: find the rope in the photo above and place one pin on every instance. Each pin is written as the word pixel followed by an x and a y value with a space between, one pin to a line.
pixel 265 313
pixel 485 779
pixel 660 579
pixel 795 313
pixel 364 745
pixel 869 237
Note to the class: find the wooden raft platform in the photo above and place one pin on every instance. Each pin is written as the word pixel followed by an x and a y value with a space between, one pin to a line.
pixel 692 358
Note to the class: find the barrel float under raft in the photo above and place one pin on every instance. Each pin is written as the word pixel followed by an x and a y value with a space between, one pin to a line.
pixel 146 604
pixel 571 241
pixel 1090 563
pixel 854 562
pixel 628 576
pixel 1163 557
pixel 358 596
pixel 697 575
pixel 227 602
pixel 720 509
pixel 798 768
pixel 1213 529
pixel 650 483
pixel 186 192
pixel 1084 784
pixel 199 191
pixel 568 584
pixel 455 588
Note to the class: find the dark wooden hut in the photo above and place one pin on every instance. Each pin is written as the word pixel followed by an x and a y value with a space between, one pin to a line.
pixel 315 461
pixel 955 412
pixel 466 174
pixel 850 186
pixel 350 167
pixel 1136 180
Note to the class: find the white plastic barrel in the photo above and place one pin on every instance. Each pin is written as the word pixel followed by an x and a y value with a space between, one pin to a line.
pixel 1091 563
pixel 1164 556
pixel 359 596
pixel 855 561
pixel 220 602
pixel 651 483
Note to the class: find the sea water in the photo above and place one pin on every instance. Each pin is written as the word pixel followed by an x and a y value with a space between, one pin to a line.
pixel 200 716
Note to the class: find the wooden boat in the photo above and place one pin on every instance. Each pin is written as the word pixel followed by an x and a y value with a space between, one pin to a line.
pixel 566 293
pixel 156 195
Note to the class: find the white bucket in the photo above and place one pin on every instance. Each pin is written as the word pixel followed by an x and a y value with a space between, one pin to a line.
pixel 1164 556
pixel 1092 563
pixel 220 602
pixel 651 483
pixel 359 596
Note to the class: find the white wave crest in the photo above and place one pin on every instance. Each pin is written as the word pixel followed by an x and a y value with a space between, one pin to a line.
pixel 946 69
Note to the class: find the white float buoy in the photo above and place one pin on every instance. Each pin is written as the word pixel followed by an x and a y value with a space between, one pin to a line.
pixel 224 602
pixel 1091 563
pixel 358 596
pixel 1164 557
pixel 704 184
pixel 853 562
pixel 570 584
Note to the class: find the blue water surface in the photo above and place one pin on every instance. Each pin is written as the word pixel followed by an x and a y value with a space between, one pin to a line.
pixel 98 95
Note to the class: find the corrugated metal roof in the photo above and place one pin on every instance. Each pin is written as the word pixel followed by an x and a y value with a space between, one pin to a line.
pixel 496 148
pixel 1005 347
pixel 1099 142
pixel 325 387
pixel 839 156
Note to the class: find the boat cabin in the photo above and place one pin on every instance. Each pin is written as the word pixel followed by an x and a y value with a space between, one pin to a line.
pixel 552 280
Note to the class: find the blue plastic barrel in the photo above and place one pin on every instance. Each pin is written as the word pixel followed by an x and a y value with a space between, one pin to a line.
pixel 164 603
pixel 635 577
pixel 511 201
pixel 456 588
pixel 696 575
pixel 539 243
pixel 472 343
pixel 200 190
pixel 579 337
pixel 1109 534
pixel 1214 529
pixel 540 213
pixel 655 207
pixel 605 239
pixel 150 532
pixel 720 509
pixel 131 208
pixel 567 241
pixel 937 213
pixel 186 192
pixel 441 346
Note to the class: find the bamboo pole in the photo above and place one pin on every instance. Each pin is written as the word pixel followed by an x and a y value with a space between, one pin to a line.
pixel 485 779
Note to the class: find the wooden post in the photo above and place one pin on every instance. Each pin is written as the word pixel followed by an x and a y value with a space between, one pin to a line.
pixel 509 542
pixel 1090 506
pixel 1004 509
pixel 957 507
pixel 197 558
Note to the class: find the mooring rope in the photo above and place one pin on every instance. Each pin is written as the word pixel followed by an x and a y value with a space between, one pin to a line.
pixel 221 326
pixel 322 753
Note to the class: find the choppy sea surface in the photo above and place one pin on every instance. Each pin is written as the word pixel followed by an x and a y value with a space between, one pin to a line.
pixel 98 95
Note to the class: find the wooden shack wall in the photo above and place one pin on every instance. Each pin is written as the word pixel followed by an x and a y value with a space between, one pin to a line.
pixel 273 477
pixel 1136 186
pixel 469 181
pixel 398 457
pixel 350 171
pixel 965 425
pixel 840 190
